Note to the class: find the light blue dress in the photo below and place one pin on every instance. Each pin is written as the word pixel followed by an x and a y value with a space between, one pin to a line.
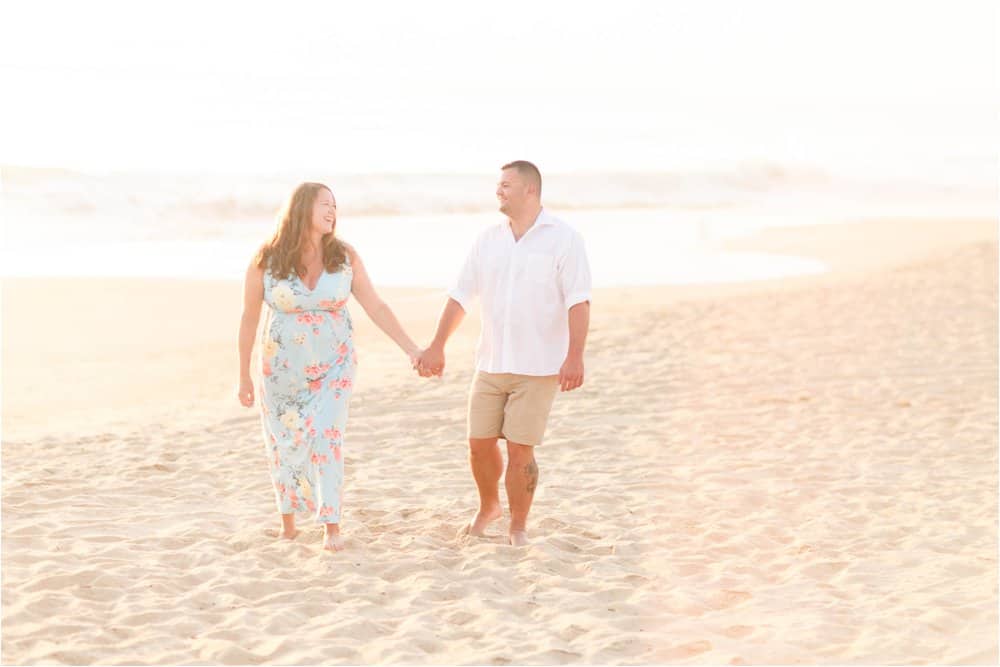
pixel 308 363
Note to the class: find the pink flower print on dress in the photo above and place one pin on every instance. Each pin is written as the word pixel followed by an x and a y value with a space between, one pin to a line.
pixel 315 386
pixel 309 318
pixel 333 307
pixel 325 511
pixel 316 370
pixel 336 453
pixel 311 505
pixel 332 433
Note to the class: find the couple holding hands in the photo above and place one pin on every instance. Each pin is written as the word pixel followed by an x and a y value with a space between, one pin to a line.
pixel 531 275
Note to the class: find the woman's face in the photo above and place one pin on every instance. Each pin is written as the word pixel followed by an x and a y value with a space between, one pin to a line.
pixel 324 212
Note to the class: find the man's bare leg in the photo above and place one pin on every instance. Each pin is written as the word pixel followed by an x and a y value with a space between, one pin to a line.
pixel 487 466
pixel 521 480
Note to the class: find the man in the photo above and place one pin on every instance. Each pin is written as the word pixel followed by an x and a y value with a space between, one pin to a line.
pixel 532 276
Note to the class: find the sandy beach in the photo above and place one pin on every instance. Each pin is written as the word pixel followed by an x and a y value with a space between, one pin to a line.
pixel 794 471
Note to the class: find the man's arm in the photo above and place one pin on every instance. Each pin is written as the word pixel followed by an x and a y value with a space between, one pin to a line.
pixel 571 373
pixel 574 276
pixel 431 361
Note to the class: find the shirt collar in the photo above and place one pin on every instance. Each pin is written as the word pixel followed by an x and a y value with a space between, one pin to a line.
pixel 544 218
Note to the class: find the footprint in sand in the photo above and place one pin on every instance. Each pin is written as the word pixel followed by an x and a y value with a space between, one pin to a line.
pixel 738 631
pixel 726 599
pixel 824 570
pixel 687 650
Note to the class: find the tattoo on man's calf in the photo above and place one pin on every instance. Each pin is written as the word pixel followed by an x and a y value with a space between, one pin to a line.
pixel 531 473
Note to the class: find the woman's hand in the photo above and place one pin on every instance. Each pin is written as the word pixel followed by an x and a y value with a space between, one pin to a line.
pixel 431 362
pixel 245 393
pixel 414 355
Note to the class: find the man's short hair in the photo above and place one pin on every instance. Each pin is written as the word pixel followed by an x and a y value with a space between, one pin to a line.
pixel 528 171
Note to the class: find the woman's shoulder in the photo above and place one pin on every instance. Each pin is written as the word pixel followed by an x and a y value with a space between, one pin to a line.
pixel 349 252
pixel 263 257
pixel 257 267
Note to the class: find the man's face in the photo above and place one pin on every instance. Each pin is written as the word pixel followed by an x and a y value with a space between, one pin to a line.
pixel 512 191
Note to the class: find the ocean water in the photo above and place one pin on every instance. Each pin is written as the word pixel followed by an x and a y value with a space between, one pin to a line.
pixel 414 229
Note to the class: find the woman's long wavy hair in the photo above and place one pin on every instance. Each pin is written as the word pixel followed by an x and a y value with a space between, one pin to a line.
pixel 282 255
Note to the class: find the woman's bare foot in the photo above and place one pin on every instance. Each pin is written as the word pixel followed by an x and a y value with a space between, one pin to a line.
pixel 483 518
pixel 518 538
pixel 332 541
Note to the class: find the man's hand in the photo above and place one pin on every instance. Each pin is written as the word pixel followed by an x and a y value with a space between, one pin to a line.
pixel 431 362
pixel 571 373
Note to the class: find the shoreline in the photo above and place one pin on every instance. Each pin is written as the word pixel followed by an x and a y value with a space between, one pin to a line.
pixel 133 335
pixel 671 253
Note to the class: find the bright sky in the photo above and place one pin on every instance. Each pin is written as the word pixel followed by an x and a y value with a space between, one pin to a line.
pixel 455 86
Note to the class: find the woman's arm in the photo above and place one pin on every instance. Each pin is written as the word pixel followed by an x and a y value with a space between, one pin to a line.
pixel 377 309
pixel 253 299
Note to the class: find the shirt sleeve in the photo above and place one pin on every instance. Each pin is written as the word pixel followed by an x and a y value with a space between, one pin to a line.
pixel 466 287
pixel 574 272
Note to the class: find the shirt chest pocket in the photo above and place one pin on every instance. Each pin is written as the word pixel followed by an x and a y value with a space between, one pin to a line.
pixel 539 268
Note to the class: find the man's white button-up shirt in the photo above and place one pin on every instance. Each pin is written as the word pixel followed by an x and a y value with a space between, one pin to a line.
pixel 527 288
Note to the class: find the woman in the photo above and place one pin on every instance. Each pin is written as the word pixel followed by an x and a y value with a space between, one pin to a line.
pixel 306 274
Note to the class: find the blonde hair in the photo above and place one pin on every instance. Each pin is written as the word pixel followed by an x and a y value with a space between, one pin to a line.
pixel 282 255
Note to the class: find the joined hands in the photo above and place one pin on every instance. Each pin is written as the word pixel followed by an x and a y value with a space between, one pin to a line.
pixel 428 362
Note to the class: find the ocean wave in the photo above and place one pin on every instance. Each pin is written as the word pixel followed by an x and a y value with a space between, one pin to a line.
pixel 231 197
pixel 175 205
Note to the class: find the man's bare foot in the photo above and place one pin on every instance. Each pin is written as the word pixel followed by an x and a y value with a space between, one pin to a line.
pixel 518 538
pixel 333 543
pixel 477 526
pixel 285 535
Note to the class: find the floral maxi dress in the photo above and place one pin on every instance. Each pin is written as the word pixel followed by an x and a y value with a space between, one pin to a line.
pixel 308 363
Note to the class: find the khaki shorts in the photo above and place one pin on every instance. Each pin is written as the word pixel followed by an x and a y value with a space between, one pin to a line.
pixel 509 406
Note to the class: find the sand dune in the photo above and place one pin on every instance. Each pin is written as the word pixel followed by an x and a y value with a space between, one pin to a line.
pixel 803 472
